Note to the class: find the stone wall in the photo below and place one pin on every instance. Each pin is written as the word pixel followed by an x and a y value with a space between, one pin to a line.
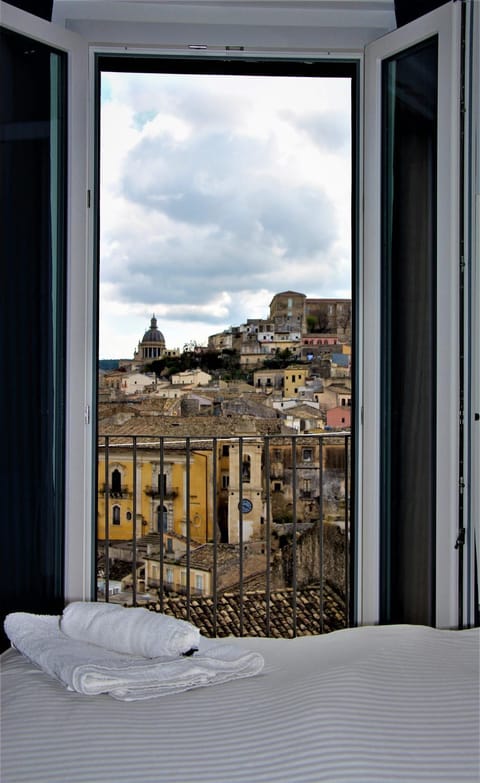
pixel 308 558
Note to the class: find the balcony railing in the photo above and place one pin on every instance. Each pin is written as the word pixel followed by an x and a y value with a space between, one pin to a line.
pixel 154 492
pixel 120 494
pixel 271 563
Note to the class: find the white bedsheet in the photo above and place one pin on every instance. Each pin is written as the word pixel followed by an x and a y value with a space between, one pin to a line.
pixel 394 703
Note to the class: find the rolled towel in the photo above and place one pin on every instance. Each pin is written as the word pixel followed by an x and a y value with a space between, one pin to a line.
pixel 134 631
pixel 93 670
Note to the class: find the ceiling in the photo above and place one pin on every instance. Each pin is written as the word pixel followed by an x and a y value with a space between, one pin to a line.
pixel 285 12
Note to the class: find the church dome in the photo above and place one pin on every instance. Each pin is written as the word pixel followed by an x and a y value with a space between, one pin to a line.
pixel 153 335
pixel 152 345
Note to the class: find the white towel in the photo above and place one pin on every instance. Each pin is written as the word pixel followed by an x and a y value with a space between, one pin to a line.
pixel 92 670
pixel 135 631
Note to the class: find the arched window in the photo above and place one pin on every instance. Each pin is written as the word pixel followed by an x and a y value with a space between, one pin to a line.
pixel 115 515
pixel 116 482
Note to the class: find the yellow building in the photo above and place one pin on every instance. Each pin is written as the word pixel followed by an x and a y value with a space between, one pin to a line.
pixel 175 577
pixel 142 490
pixel 294 378
pixel 246 501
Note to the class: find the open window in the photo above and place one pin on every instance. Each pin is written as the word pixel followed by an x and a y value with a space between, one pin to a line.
pixel 43 151
pixel 198 124
pixel 389 467
pixel 412 314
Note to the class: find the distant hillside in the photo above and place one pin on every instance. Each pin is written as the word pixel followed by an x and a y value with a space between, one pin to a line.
pixel 108 364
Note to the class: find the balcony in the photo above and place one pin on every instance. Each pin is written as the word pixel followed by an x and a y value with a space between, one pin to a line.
pixel 119 494
pixel 155 492
pixel 273 563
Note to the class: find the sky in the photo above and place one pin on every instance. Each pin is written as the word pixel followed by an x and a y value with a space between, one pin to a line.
pixel 216 193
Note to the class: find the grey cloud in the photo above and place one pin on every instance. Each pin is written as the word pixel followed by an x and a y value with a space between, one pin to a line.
pixel 207 183
pixel 328 130
pixel 207 101
pixel 231 225
pixel 160 173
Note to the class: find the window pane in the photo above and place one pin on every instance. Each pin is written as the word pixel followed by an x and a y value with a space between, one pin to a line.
pixel 409 334
pixel 32 149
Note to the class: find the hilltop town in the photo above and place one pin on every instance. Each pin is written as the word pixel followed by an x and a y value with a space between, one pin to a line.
pixel 299 356
pixel 224 470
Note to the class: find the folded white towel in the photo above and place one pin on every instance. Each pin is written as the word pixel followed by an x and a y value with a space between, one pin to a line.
pixel 92 670
pixel 135 631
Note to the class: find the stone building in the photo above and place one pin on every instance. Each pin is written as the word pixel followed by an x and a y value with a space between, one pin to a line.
pixel 296 323
pixel 288 308
pixel 329 316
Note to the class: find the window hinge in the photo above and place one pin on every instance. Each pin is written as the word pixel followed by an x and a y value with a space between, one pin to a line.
pixel 86 414
pixel 89 198
pixel 460 538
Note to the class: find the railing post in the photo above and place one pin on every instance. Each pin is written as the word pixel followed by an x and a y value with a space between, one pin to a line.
pixel 240 531
pixel 268 534
pixel 134 522
pixel 161 538
pixel 347 534
pixel 107 520
pixel 320 528
pixel 187 491
pixel 294 534
pixel 215 536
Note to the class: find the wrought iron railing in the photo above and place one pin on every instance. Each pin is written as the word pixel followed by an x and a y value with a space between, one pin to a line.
pixel 247 557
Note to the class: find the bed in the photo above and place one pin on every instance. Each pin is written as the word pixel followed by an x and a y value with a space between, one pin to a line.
pixel 392 703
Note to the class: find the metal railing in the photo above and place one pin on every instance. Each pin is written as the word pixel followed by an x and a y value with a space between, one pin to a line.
pixel 249 558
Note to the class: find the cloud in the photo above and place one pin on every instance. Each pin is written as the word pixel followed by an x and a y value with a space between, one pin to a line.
pixel 327 130
pixel 216 193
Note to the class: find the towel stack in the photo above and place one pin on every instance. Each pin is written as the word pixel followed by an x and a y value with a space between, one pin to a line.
pixel 131 654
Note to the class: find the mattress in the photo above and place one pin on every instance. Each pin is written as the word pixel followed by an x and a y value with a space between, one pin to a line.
pixel 392 703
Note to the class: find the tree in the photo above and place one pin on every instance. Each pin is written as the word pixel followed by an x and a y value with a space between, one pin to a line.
pixel 281 359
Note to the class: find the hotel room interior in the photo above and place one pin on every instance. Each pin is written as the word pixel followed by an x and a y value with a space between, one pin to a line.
pixel 394 695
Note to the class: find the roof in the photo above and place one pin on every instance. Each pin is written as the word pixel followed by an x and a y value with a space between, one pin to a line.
pixel 222 618
pixel 203 556
pixel 192 426
pixel 342 359
pixel 304 411
pixel 288 293
pixel 153 335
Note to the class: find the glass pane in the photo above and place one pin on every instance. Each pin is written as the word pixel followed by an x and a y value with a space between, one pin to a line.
pixel 32 149
pixel 409 152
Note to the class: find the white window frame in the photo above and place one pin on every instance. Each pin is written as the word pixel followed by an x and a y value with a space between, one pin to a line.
pixel 445 22
pixel 79 327
pixel 81 310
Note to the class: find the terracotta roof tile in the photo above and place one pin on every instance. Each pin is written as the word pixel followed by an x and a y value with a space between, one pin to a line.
pixel 223 617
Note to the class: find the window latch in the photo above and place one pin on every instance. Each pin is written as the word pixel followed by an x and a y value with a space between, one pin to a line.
pixel 460 538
